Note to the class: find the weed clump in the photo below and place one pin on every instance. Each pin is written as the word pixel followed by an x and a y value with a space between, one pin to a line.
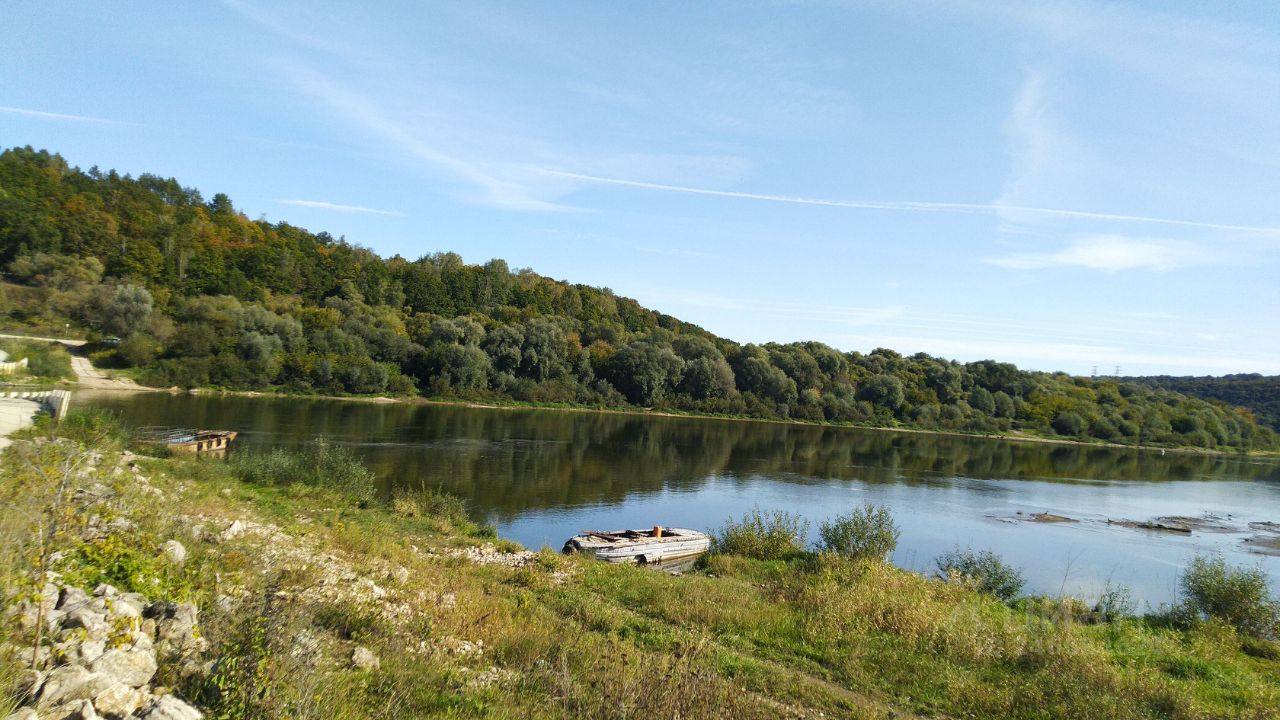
pixel 321 465
pixel 991 574
pixel 771 535
pixel 866 532
pixel 1212 589
pixel 88 427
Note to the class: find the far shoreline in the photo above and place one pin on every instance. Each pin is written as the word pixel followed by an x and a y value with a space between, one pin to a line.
pixel 519 405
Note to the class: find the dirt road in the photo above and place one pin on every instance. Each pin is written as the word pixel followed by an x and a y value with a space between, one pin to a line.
pixel 87 376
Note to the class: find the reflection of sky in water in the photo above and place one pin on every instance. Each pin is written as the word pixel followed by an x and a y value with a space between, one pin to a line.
pixel 1078 558
pixel 544 476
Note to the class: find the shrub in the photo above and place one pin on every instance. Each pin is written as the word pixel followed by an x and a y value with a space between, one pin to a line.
pixel 320 464
pixel 44 359
pixel 446 510
pixel 1237 596
pixel 992 574
pixel 866 532
pixel 1116 603
pixel 89 427
pixel 1069 423
pixel 763 535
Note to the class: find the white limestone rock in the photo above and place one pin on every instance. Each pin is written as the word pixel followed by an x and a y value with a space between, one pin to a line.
pixel 134 668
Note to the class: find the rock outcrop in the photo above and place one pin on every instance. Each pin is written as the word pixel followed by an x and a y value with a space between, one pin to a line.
pixel 99 653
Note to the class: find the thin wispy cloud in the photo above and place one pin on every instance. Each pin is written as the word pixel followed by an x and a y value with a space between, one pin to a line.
pixel 27 112
pixel 340 207
pixel 1108 253
pixel 367 113
pixel 916 206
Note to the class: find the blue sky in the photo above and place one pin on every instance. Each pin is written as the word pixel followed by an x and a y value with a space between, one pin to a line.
pixel 1062 185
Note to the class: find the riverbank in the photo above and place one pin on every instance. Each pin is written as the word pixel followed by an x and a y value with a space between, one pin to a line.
pixel 315 604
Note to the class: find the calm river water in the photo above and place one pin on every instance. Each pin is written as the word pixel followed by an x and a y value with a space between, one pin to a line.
pixel 542 476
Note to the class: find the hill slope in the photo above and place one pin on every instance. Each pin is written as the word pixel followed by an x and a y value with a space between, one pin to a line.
pixel 1259 393
pixel 200 295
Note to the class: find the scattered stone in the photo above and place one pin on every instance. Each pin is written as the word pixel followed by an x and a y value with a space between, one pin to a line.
pixel 488 554
pixel 174 552
pixel 127 606
pixel 400 574
pixel 119 701
pixel 29 684
pixel 131 667
pixel 233 531
pixel 71 683
pixel 25 713
pixel 78 710
pixel 72 598
pixel 168 707
pixel 92 649
pixel 463 648
pixel 364 659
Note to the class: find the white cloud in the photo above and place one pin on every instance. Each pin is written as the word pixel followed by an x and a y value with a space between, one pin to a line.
pixel 1108 253
pixel 339 207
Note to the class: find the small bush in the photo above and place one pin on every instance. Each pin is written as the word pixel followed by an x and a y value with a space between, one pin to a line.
pixel 763 535
pixel 1237 596
pixel 320 464
pixel 428 502
pixel 866 532
pixel 90 427
pixel 1116 603
pixel 992 574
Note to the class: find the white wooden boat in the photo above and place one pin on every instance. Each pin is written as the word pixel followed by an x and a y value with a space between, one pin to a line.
pixel 639 546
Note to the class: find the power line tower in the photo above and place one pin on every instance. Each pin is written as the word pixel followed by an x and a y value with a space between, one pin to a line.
pixel 1094 375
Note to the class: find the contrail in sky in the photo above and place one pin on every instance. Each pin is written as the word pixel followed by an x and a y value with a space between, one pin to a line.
pixel 61 116
pixel 911 206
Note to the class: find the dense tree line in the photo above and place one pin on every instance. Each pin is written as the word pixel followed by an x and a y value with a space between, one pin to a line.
pixel 197 294
pixel 1259 393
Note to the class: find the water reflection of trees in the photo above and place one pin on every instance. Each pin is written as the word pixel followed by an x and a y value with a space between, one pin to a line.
pixel 509 461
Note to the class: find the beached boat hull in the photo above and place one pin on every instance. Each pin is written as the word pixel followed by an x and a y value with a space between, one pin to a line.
pixel 640 546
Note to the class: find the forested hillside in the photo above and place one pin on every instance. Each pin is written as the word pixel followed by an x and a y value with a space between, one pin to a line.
pixel 200 295
pixel 1259 393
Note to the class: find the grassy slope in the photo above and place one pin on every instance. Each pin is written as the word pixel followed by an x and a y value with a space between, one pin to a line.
pixel 566 637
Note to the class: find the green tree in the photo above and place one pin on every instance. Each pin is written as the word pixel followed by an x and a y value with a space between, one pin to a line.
pixel 120 309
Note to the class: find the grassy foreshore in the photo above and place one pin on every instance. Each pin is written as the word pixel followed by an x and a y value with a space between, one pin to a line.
pixel 466 625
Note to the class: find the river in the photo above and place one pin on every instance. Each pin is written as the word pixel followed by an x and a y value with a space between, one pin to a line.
pixel 542 475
